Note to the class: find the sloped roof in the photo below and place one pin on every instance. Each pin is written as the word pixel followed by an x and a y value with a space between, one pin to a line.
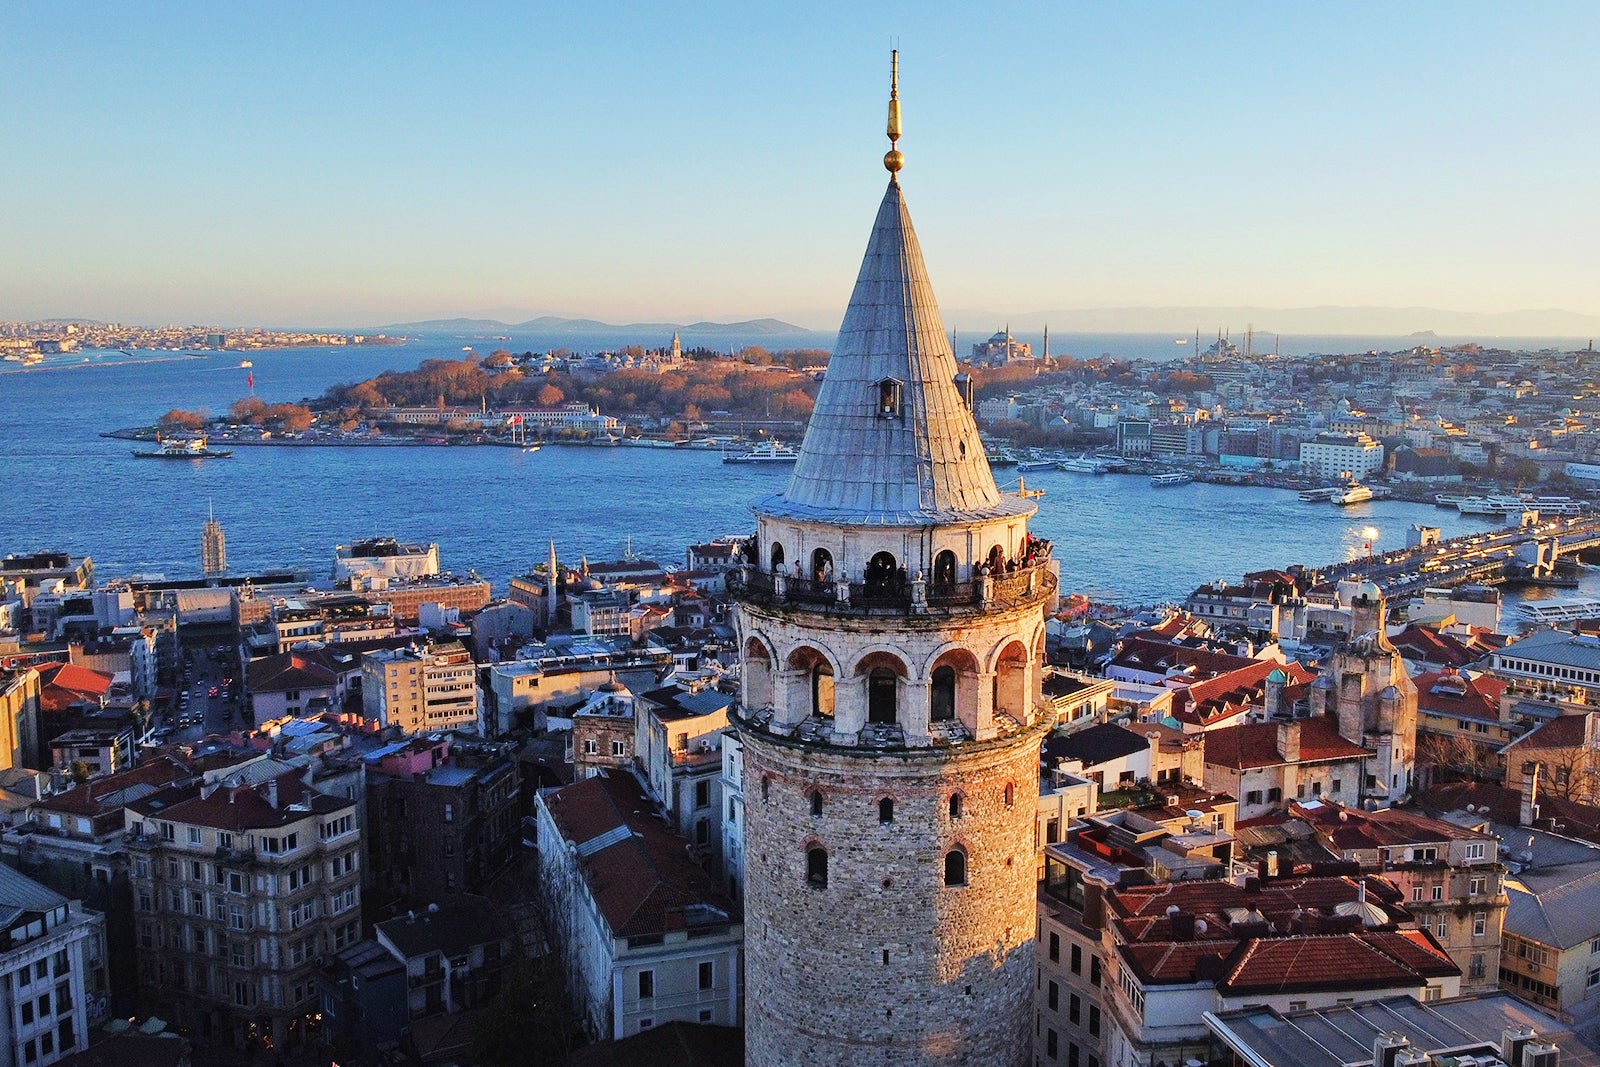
pixel 1227 694
pixel 1554 908
pixel 1566 731
pixel 1158 657
pixel 1098 744
pixel 920 465
pixel 1364 959
pixel 1449 692
pixel 1255 744
pixel 288 670
pixel 641 876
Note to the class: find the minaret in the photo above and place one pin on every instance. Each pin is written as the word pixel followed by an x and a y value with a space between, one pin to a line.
pixel 891 636
pixel 1046 343
pixel 550 587
pixel 677 347
pixel 213 547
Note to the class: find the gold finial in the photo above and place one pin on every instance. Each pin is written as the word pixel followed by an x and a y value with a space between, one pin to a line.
pixel 893 160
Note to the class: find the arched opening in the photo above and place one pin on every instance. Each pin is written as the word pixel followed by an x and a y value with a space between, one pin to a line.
pixel 955 805
pixel 1011 682
pixel 943 695
pixel 815 673
pixel 996 560
pixel 886 809
pixel 756 674
pixel 777 557
pixel 888 398
pixel 817 867
pixel 955 867
pixel 944 569
pixel 822 565
pixel 816 802
pixel 882 576
pixel 882 696
pixel 1011 795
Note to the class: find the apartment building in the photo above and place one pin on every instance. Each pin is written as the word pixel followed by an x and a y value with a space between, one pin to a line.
pixel 420 688
pixel 52 973
pixel 239 892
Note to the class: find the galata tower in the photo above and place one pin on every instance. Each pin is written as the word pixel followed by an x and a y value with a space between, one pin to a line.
pixel 891 638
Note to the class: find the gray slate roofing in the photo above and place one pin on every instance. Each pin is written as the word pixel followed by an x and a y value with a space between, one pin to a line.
pixel 1555 646
pixel 1553 907
pixel 923 465
pixel 19 893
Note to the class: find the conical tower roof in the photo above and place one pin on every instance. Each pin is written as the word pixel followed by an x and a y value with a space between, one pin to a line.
pixel 921 462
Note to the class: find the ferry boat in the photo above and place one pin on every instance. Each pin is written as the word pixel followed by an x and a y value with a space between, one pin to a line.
pixel 1557 505
pixel 245 364
pixel 1319 496
pixel 1352 494
pixel 1449 500
pixel 1028 466
pixel 765 452
pixel 183 448
pixel 1082 465
pixel 1549 612
pixel 1161 481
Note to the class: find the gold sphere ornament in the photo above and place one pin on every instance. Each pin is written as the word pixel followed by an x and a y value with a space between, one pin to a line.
pixel 893 161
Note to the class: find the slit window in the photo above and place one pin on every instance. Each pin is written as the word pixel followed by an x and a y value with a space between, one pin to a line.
pixel 955 805
pixel 886 810
pixel 816 802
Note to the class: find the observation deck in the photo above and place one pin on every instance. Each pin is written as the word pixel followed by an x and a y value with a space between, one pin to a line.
pixel 896 595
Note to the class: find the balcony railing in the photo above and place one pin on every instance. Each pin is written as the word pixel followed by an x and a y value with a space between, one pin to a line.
pixel 1021 587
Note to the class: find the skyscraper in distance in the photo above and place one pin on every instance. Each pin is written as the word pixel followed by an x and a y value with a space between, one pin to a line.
pixel 213 547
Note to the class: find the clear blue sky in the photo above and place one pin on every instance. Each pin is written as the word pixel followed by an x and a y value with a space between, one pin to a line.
pixel 359 164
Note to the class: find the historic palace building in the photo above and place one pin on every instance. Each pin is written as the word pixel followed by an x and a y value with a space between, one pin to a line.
pixel 892 635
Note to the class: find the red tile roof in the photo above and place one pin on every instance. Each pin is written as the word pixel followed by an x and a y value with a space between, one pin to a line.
pixel 1228 694
pixel 1449 692
pixel 1567 731
pixel 61 685
pixel 1364 959
pixel 102 794
pixel 1158 657
pixel 643 882
pixel 1255 744
pixel 239 808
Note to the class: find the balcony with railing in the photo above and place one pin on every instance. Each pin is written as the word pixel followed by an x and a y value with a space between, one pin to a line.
pixel 896 594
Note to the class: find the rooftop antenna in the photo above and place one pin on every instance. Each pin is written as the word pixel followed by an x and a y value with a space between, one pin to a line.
pixel 893 160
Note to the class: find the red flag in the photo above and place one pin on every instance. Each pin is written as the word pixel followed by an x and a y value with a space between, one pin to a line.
pixel 251 379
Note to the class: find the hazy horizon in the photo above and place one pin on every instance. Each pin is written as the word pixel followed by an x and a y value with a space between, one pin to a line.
pixel 335 165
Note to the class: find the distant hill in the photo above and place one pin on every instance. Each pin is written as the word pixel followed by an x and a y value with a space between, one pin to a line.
pixel 552 324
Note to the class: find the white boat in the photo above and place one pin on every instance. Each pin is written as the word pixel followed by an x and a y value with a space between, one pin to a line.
pixel 1478 505
pixel 245 363
pixel 1028 466
pixel 1556 505
pixel 1319 496
pixel 1082 465
pixel 531 448
pixel 1171 478
pixel 1449 500
pixel 1557 611
pixel 1352 494
pixel 765 452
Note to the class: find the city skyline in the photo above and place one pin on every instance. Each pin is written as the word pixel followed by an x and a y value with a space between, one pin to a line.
pixel 317 167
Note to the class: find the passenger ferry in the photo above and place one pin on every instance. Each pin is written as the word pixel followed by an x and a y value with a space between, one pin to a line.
pixel 1028 466
pixel 1550 612
pixel 1172 478
pixel 765 452
pixel 1083 465
pixel 1319 496
pixel 183 448
pixel 1352 494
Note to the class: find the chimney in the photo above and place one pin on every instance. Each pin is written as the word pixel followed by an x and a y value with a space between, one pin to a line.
pixel 1529 808
pixel 1272 863
pixel 272 792
pixel 1366 615
pixel 1154 740
pixel 1289 741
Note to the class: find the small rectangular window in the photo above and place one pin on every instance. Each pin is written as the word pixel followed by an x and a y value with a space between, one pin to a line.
pixel 707 973
pixel 647 984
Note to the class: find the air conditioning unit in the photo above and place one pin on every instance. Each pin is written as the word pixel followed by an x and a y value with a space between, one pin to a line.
pixel 1542 1054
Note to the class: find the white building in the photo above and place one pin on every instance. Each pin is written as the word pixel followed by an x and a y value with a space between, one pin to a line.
pixel 1341 456
pixel 645 934
pixel 55 973
pixel 733 813
pixel 384 557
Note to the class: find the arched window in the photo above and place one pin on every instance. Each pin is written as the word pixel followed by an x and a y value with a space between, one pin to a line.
pixel 886 810
pixel 822 690
pixel 1011 795
pixel 996 560
pixel 777 557
pixel 955 867
pixel 766 787
pixel 817 867
pixel 882 696
pixel 943 694
pixel 882 575
pixel 944 568
pixel 821 565
pixel 955 805
pixel 816 802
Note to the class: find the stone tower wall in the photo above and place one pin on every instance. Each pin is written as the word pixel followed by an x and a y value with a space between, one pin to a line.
pixel 886 965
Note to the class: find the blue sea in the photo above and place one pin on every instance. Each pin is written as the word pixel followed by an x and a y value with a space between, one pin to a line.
pixel 493 510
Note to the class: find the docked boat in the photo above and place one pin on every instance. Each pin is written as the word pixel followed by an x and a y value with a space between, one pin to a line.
pixel 1083 465
pixel 1352 494
pixel 1028 466
pixel 183 448
pixel 765 452
pixel 1556 505
pixel 531 448
pixel 1449 500
pixel 1171 478
pixel 1322 495
pixel 1551 612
